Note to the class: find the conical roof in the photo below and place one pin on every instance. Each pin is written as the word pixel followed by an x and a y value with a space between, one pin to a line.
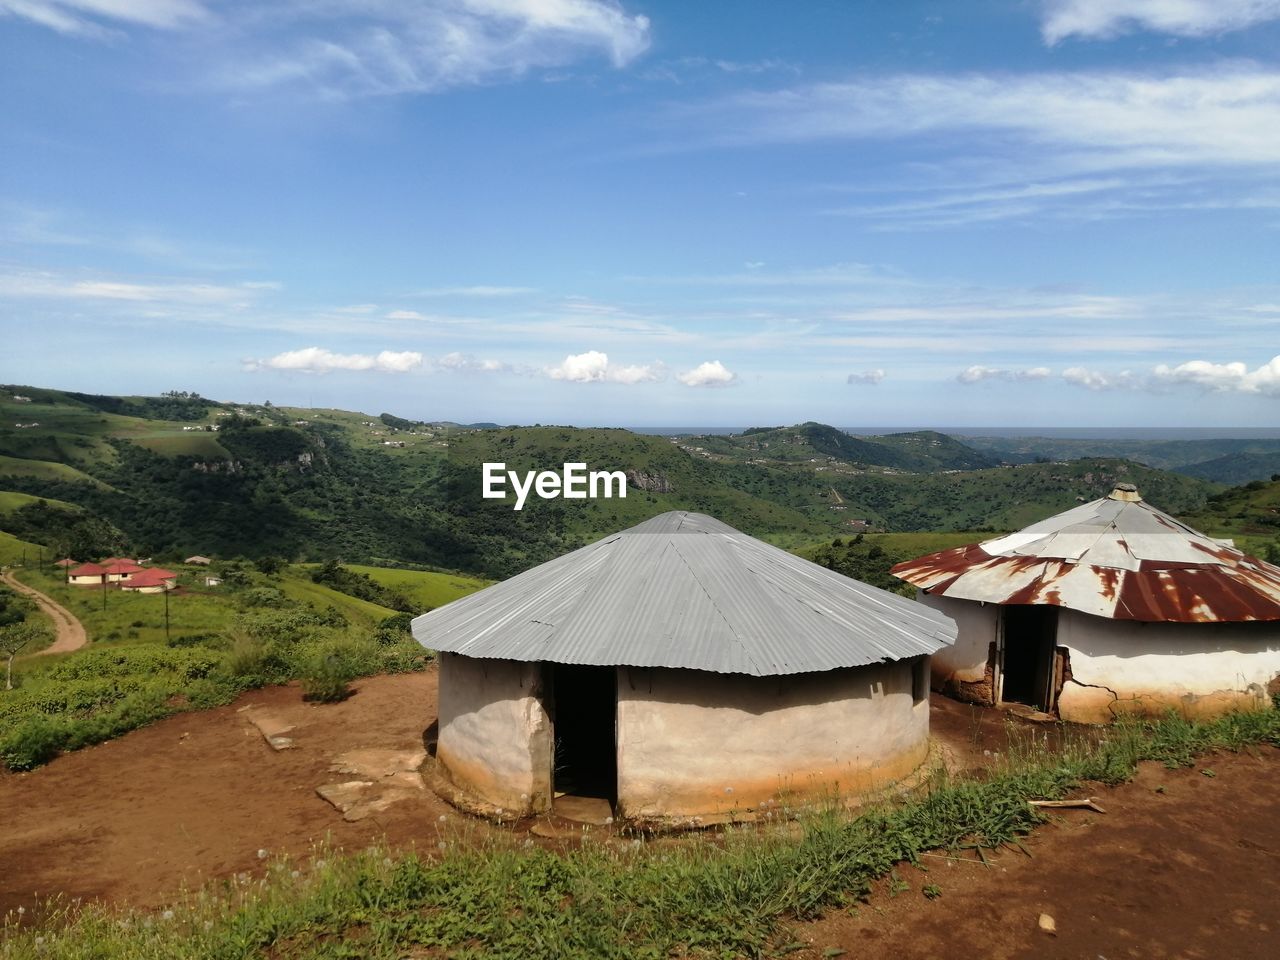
pixel 1117 557
pixel 685 590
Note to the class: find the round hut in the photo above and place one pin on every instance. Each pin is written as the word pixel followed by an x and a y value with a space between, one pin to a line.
pixel 682 671
pixel 1111 607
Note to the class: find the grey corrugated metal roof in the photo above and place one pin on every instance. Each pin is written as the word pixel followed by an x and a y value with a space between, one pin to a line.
pixel 1116 557
pixel 685 590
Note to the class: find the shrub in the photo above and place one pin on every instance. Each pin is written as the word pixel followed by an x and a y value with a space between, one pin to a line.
pixel 33 742
pixel 328 680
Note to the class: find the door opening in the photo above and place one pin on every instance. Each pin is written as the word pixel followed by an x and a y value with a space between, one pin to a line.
pixel 584 715
pixel 1028 667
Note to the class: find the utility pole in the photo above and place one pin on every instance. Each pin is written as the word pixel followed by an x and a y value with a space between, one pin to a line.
pixel 166 614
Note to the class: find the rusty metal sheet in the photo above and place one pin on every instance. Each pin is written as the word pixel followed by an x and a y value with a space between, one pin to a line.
pixel 1142 564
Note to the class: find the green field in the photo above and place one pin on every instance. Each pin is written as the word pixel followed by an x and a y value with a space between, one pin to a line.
pixel 427 590
pixel 44 469
pixel 138 617
pixel 12 550
pixel 10 501
pixel 171 444
pixel 299 587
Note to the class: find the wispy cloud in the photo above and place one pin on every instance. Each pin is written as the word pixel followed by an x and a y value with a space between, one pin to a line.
pixel 466 363
pixel 1101 379
pixel 474 291
pixel 358 48
pixel 866 377
pixel 92 17
pixel 1104 19
pixel 1081 121
pixel 977 373
pixel 320 360
pixel 712 373
pixel 21 283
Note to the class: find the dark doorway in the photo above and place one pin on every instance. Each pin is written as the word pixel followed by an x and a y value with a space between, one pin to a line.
pixel 1028 665
pixel 583 716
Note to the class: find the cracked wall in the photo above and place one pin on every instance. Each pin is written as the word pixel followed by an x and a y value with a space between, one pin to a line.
pixel 495 735
pixel 966 669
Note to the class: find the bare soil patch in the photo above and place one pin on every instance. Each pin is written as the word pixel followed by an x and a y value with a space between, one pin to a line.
pixel 1192 870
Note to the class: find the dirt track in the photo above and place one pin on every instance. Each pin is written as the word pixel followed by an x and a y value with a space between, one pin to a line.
pixel 1192 871
pixel 70 633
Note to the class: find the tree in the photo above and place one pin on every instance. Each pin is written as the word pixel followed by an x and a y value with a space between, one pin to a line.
pixel 13 638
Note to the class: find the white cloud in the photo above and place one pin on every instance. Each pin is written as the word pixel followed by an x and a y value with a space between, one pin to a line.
pixel 1223 377
pixel 355 48
pixel 406 315
pixel 319 360
pixel 1104 19
pixel 474 291
pixel 871 377
pixel 1099 379
pixel 1079 121
pixel 713 373
pixel 594 367
pixel 84 16
pixel 466 363
pixel 978 373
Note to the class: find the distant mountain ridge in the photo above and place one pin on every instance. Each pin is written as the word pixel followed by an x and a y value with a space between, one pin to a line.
pixel 312 484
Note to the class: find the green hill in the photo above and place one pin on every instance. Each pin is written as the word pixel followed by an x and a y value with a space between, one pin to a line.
pixel 311 485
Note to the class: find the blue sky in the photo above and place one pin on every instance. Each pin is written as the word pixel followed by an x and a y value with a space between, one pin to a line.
pixel 581 211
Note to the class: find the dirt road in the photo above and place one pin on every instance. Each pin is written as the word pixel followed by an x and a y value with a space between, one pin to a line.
pixel 70 631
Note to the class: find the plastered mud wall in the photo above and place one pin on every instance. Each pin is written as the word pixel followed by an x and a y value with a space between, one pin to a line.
pixel 495 735
pixel 1197 669
pixel 965 670
pixel 694 744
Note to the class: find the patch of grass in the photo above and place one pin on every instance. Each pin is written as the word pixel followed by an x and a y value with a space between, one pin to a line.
pixel 499 898
pixel 45 470
pixel 12 550
pixel 11 501
pixel 427 590
pixel 177 444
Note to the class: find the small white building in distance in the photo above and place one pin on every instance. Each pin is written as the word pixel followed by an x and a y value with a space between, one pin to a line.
pixel 684 673
pixel 1112 607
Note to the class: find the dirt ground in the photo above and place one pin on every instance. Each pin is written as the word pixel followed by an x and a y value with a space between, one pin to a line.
pixel 1191 870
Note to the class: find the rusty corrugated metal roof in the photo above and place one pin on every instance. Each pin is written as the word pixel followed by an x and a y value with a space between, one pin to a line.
pixel 1117 557
pixel 685 590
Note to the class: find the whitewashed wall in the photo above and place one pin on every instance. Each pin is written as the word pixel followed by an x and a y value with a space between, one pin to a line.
pixel 495 736
pixel 714 745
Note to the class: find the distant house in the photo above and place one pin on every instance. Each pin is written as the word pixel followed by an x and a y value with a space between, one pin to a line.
pixel 118 568
pixel 64 563
pixel 1112 607
pixel 88 575
pixel 18 398
pixel 212 581
pixel 150 580
pixel 198 561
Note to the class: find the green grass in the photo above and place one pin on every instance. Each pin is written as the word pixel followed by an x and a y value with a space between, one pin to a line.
pixel 426 589
pixel 299 587
pixel 11 501
pixel 170 444
pixel 498 898
pixel 12 550
pixel 44 470
pixel 139 617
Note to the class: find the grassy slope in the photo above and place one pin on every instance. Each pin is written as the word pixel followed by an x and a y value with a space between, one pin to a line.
pixel 298 586
pixel 11 549
pixel 47 469
pixel 179 444
pixel 428 590
pixel 11 501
